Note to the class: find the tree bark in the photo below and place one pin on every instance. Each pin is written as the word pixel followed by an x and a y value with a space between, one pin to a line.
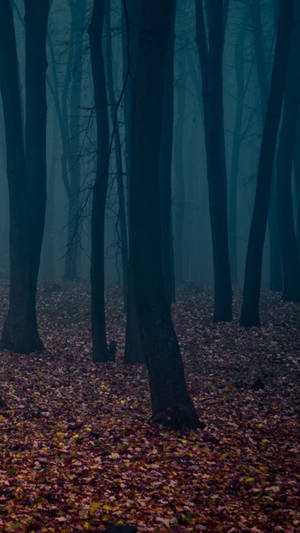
pixel 131 23
pixel 287 142
pixel 250 306
pixel 100 351
pixel 297 178
pixel 27 182
pixel 211 63
pixel 118 155
pixel 72 270
pixel 179 182
pixel 171 404
pixel 235 154
pixel 166 151
pixel 263 79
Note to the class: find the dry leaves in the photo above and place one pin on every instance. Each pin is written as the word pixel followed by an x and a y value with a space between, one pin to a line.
pixel 77 450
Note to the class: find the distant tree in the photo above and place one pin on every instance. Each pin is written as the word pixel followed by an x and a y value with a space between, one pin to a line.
pixel 67 94
pixel 210 28
pixel 171 404
pixel 250 306
pixel 100 350
pixel 287 142
pixel 26 180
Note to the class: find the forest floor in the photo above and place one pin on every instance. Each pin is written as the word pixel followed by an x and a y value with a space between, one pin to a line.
pixel 77 449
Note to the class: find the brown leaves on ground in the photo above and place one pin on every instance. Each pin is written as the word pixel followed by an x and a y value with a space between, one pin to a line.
pixel 77 450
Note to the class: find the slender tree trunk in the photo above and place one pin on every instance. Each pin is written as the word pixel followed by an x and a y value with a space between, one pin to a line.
pixel 100 351
pixel 27 182
pixel 235 154
pixel 131 30
pixel 211 54
pixel 261 65
pixel 119 160
pixel 250 307
pixel 171 404
pixel 275 252
pixel 290 257
pixel 72 257
pixel 297 178
pixel 47 259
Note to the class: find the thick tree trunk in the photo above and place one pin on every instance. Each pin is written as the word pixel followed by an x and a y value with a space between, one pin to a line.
pixel 171 404
pixel 211 54
pixel 250 307
pixel 100 351
pixel 288 239
pixel 27 183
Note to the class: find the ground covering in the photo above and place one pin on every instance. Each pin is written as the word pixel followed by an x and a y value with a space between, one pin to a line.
pixel 78 450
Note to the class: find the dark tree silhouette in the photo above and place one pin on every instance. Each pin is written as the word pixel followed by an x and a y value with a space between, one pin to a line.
pixel 100 351
pixel 78 11
pixel 171 404
pixel 26 181
pixel 210 42
pixel 166 152
pixel 287 142
pixel 131 28
pixel 250 306
pixel 179 181
pixel 263 85
pixel 122 223
pixel 235 154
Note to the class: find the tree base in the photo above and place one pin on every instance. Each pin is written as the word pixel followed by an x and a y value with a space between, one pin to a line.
pixel 17 341
pixel 3 404
pixel 106 355
pixel 177 418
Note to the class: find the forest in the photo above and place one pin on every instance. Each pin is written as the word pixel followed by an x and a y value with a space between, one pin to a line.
pixel 149 266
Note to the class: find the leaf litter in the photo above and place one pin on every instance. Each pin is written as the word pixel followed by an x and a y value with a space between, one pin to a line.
pixel 78 450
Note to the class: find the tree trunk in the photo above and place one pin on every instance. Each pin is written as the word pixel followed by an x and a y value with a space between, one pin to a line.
pixel 275 252
pixel 235 154
pixel 179 182
pixel 210 54
pixel 119 161
pixel 166 151
pixel 131 29
pixel 100 351
pixel 288 239
pixel 78 9
pixel 263 79
pixel 297 178
pixel 250 307
pixel 171 404
pixel 27 182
